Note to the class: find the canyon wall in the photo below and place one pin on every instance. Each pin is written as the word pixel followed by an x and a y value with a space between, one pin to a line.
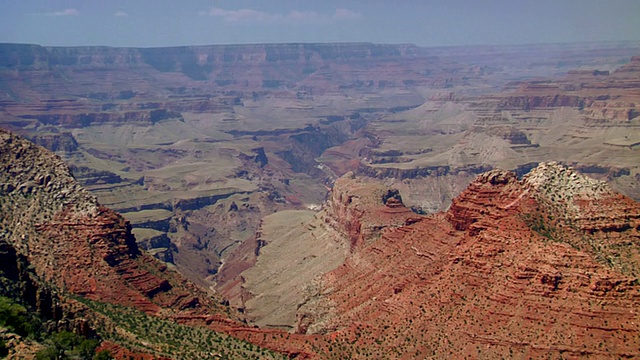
pixel 507 271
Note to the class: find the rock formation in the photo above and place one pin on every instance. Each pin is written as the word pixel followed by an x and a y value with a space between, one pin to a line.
pixel 567 118
pixel 63 255
pixel 165 135
pixel 295 247
pixel 362 211
pixel 209 151
pixel 514 268
pixel 71 241
pixel 542 266
pixel 601 94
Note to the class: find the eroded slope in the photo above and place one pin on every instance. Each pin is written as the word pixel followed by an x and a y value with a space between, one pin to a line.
pixel 294 248
pixel 543 266
pixel 77 264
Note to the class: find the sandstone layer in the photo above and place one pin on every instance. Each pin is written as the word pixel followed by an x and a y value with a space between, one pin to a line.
pixel 294 248
pixel 174 137
pixel 77 264
pixel 538 267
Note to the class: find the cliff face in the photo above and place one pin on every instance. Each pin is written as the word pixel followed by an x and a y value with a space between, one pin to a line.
pixel 546 265
pixel 534 267
pixel 71 241
pixel 294 247
pixel 271 66
pixel 56 142
pixel 77 263
pixel 172 58
pixel 146 118
pixel 455 136
pixel 600 94
pixel 362 211
pixel 59 249
pixel 381 172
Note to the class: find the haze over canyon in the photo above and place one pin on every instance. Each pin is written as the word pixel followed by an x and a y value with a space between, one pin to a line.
pixel 323 200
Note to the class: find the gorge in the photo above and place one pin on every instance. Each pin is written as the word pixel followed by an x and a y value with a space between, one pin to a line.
pixel 327 200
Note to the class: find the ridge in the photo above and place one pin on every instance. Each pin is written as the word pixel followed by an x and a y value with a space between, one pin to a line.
pixel 507 271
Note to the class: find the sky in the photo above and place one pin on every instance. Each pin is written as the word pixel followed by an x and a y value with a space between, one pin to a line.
pixel 154 23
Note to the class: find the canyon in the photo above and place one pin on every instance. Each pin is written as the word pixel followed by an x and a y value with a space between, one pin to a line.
pixel 542 266
pixel 344 199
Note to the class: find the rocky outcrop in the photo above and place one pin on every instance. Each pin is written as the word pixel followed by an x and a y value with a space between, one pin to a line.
pixel 69 240
pixel 514 268
pixel 589 206
pixel 526 102
pixel 400 173
pixel 294 247
pixel 594 170
pixel 57 241
pixel 510 133
pixel 57 142
pixel 258 157
pixel 88 176
pixel 362 211
pixel 65 255
pixel 115 118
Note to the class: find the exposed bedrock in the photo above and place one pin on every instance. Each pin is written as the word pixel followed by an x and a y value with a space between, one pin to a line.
pixel 531 102
pixel 533 267
pixel 361 211
pixel 412 173
pixel 100 118
pixel 87 176
pixel 304 147
pixel 293 247
pixel 69 241
pixel 56 142
pixel 194 203
pixel 601 95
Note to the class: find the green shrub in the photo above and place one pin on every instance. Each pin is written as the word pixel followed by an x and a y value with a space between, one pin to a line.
pixel 16 319
pixel 87 348
pixel 3 349
pixel 49 353
pixel 103 355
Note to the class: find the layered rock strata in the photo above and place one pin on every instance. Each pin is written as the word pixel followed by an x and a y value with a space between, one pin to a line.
pixel 294 247
pixel 542 266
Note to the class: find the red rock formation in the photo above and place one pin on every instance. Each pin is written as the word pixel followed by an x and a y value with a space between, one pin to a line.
pixel 64 243
pixel 75 247
pixel 74 243
pixel 547 265
pixel 361 211
pixel 498 275
pixel 600 94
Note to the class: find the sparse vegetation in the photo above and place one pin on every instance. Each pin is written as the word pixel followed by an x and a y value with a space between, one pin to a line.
pixel 17 319
pixel 67 345
pixel 163 337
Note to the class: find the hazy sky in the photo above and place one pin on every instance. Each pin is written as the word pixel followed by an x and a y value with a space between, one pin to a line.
pixel 144 23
